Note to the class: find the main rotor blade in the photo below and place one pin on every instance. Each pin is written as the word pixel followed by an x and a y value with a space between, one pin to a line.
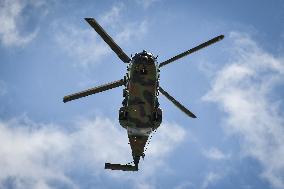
pixel 179 105
pixel 108 40
pixel 207 43
pixel 93 90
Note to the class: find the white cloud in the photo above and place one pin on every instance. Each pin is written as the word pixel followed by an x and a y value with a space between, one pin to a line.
pixel 34 155
pixel 244 89
pixel 163 140
pixel 146 3
pixel 82 44
pixel 87 46
pixel 144 185
pixel 132 31
pixel 167 137
pixel 210 179
pixel 29 156
pixel 12 22
pixel 113 15
pixel 215 154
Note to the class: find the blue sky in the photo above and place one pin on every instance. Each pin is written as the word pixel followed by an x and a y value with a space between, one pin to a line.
pixel 235 88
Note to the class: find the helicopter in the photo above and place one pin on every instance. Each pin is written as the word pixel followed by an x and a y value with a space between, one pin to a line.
pixel 140 113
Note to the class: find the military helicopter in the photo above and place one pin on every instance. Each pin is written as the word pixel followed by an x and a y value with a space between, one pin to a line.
pixel 140 114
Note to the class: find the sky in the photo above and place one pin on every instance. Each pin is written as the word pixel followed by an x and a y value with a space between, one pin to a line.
pixel 235 87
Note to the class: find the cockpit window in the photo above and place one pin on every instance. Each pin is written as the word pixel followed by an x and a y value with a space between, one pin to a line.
pixel 143 58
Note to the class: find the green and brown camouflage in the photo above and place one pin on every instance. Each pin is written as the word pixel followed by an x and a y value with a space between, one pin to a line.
pixel 140 113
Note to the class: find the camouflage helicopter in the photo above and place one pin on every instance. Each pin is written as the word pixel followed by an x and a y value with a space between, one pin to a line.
pixel 140 114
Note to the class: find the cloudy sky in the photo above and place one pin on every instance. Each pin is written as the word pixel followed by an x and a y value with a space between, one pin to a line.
pixel 235 88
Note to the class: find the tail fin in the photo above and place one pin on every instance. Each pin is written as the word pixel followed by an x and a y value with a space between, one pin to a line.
pixel 121 167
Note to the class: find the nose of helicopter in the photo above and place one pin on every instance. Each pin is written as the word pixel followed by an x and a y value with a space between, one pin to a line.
pixel 144 59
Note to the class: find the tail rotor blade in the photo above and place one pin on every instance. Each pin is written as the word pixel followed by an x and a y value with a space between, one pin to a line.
pixel 93 90
pixel 175 102
pixel 108 40
pixel 207 43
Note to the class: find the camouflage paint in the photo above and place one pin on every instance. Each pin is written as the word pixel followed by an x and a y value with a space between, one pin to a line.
pixel 141 103
pixel 140 113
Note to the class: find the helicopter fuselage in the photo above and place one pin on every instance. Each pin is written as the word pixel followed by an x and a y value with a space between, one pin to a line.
pixel 140 113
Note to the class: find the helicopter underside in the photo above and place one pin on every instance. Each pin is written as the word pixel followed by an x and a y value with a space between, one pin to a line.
pixel 140 105
pixel 140 114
